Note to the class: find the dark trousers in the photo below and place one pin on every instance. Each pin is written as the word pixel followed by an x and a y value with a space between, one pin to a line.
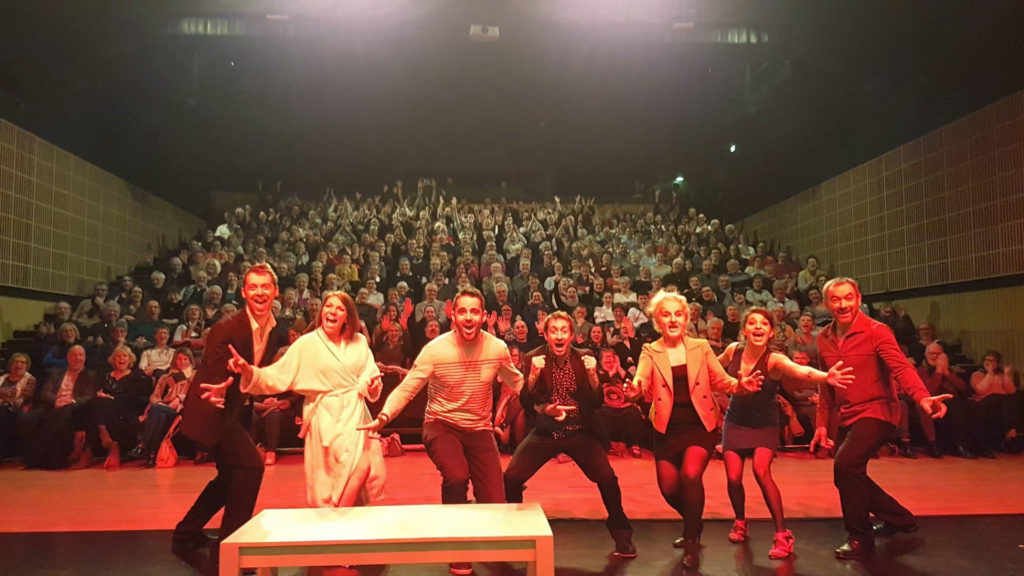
pixel 268 427
pixel 588 453
pixel 158 422
pixel 463 456
pixel 624 424
pixel 859 496
pixel 239 474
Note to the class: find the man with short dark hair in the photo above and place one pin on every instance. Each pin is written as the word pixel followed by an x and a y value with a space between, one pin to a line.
pixel 212 415
pixel 564 393
pixel 458 368
pixel 869 410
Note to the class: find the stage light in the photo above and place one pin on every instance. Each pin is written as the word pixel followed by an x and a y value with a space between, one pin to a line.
pixel 680 179
pixel 732 148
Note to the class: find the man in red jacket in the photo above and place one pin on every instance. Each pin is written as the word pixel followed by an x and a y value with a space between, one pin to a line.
pixel 869 410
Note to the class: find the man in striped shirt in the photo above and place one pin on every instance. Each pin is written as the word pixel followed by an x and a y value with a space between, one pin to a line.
pixel 458 369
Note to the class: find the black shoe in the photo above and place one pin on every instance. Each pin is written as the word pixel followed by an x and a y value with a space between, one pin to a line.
pixel 136 453
pixel 933 451
pixel 856 550
pixel 907 451
pixel 193 540
pixel 691 554
pixel 625 550
pixel 890 529
pixel 624 547
pixel 151 460
pixel 963 452
pixel 988 453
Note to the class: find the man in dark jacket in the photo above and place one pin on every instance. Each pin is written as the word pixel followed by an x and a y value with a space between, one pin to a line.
pixel 564 393
pixel 213 413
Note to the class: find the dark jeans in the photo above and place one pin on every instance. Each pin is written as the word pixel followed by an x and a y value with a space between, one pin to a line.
pixel 859 496
pixel 158 422
pixel 239 474
pixel 623 424
pixel 463 456
pixel 588 453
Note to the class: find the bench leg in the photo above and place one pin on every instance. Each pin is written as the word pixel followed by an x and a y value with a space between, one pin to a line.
pixel 228 559
pixel 545 564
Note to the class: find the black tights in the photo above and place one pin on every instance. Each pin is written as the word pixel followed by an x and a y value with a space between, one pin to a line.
pixel 763 474
pixel 681 481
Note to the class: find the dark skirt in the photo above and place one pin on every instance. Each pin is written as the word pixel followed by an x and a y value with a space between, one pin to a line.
pixel 736 437
pixel 675 441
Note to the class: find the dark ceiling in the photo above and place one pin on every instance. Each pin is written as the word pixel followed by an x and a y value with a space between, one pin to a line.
pixel 184 97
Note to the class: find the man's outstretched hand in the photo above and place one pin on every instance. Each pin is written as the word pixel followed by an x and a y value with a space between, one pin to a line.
pixel 215 393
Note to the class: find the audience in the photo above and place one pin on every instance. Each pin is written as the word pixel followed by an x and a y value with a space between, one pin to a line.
pixel 402 256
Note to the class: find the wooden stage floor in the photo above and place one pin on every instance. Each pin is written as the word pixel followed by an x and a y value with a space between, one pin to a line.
pixel 135 498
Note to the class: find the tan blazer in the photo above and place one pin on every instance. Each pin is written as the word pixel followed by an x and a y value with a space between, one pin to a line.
pixel 654 376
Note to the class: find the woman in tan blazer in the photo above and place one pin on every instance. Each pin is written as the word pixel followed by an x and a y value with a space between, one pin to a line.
pixel 677 375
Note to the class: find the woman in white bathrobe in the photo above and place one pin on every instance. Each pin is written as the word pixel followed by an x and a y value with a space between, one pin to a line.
pixel 333 367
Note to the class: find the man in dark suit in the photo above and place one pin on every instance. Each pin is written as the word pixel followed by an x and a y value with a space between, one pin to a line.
pixel 213 413
pixel 564 393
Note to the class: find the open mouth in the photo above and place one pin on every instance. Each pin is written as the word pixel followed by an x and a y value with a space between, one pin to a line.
pixel 559 346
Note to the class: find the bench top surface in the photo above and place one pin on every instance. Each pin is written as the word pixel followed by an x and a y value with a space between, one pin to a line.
pixel 394 524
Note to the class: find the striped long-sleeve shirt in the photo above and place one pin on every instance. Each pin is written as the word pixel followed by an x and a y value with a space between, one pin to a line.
pixel 458 376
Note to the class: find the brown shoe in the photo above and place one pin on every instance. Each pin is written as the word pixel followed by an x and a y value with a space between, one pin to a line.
pixel 113 458
pixel 84 460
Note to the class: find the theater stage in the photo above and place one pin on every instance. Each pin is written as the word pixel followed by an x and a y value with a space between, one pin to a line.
pixel 972 517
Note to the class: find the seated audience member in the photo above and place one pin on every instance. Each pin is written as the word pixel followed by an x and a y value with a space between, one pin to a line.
pixel 940 378
pixel 17 394
pixel 273 416
pixel 132 303
pixel 99 332
pixel 605 313
pixel 692 291
pixel 709 303
pixel 142 331
pixel 780 290
pixel 816 305
pixel 804 401
pixel 925 335
pixel 625 296
pixel 620 412
pixel 784 334
pixel 157 288
pixel 212 302
pixel 697 326
pixel 196 293
pixel 88 311
pixel 740 280
pixel 157 360
pixel 620 336
pixel 731 322
pixel 536 303
pixel 595 340
pixel 718 343
pixel 112 416
pixel 808 276
pixel 500 322
pixel 997 402
pixel 99 353
pixel 806 333
pixel 56 356
pixel 509 417
pixel 757 294
pixel 49 429
pixel 171 309
pixel 190 331
pixel 165 404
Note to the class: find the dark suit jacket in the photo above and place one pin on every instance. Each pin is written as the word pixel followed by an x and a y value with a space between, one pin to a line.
pixel 202 421
pixel 588 398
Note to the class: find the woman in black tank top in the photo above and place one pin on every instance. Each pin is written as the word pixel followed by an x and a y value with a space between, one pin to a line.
pixel 751 428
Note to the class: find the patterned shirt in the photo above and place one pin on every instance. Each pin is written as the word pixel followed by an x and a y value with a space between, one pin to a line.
pixel 563 388
pixel 458 376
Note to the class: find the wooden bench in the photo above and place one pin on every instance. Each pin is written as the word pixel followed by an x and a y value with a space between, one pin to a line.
pixel 392 535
